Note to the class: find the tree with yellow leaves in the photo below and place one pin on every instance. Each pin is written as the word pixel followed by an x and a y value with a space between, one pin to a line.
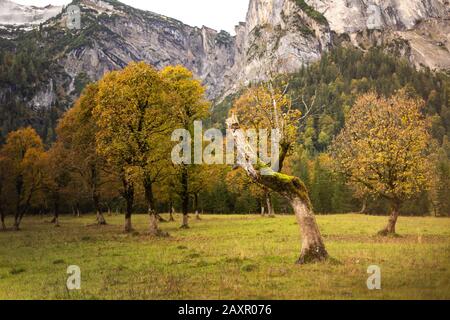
pixel 383 149
pixel 76 133
pixel 186 96
pixel 24 153
pixel 134 126
pixel 4 165
pixel 57 178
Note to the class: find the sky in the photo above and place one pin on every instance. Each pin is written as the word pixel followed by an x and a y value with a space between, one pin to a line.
pixel 216 14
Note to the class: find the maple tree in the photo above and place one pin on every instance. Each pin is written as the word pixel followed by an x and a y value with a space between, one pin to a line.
pixel 188 104
pixel 383 149
pixel 24 153
pixel 134 127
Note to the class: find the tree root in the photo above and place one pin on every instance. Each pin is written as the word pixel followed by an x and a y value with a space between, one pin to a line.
pixel 313 256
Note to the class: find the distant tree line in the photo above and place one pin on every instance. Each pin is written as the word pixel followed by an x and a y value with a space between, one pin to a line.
pixel 107 154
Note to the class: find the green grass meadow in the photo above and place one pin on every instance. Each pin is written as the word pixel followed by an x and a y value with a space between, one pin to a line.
pixel 224 257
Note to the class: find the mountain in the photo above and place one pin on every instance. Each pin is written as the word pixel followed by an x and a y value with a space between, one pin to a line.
pixel 43 70
pixel 18 15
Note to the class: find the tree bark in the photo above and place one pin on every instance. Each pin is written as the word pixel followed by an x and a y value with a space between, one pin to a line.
pixel 128 195
pixel 291 188
pixel 78 210
pixel 364 206
pixel 101 221
pixel 160 219
pixel 184 196
pixel 197 214
pixel 392 222
pixel 154 217
pixel 55 219
pixel 17 220
pixel 185 224
pixel 270 210
pixel 2 216
pixel 171 211
pixel 263 209
pixel 17 215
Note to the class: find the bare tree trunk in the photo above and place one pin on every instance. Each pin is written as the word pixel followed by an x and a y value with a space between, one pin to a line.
pixel 171 211
pixel 184 197
pixel 291 188
pixel 17 215
pixel 392 222
pixel 128 227
pixel 2 216
pixel 101 221
pixel 78 210
pixel 185 224
pixel 270 210
pixel 160 219
pixel 197 214
pixel 364 206
pixel 55 219
pixel 100 218
pixel 16 223
pixel 2 213
pixel 154 217
pixel 128 194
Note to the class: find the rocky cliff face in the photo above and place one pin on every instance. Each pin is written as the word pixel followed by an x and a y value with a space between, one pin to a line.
pixel 282 35
pixel 350 16
pixel 120 34
pixel 277 37
pixel 417 29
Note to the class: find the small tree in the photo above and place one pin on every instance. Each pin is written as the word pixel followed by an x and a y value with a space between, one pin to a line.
pixel 76 136
pixel 24 153
pixel 383 149
pixel 57 179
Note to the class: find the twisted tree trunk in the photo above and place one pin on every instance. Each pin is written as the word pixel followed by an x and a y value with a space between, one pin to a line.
pixel 291 188
pixel 99 214
pixel 392 222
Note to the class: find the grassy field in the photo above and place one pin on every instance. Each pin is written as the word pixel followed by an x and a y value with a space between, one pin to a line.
pixel 225 257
